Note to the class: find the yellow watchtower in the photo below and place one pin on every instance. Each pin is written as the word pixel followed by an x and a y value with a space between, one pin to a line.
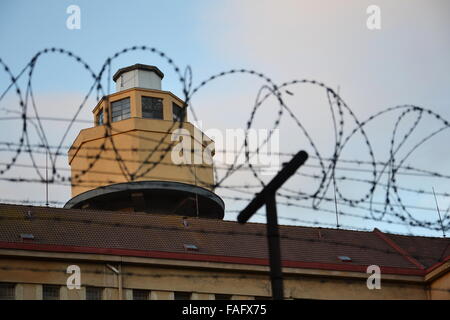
pixel 129 160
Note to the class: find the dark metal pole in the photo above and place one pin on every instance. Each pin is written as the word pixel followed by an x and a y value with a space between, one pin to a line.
pixel 46 178
pixel 268 197
pixel 273 242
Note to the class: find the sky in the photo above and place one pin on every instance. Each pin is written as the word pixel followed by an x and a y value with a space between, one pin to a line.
pixel 406 61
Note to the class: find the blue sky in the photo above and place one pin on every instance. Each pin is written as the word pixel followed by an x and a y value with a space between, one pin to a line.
pixel 106 27
pixel 404 62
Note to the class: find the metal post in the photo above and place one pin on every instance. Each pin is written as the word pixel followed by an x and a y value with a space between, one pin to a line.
pixel 273 242
pixel 46 178
pixel 268 197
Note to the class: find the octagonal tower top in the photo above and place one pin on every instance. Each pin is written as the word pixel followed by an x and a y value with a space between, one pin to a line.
pixel 138 76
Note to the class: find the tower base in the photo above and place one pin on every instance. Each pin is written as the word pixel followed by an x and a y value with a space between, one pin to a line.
pixel 159 197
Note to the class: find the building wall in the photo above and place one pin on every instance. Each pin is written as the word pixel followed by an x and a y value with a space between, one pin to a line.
pixel 440 288
pixel 202 280
pixel 93 159
pixel 142 135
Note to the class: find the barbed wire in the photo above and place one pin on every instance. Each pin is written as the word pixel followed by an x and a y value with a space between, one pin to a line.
pixel 394 205
pixel 289 203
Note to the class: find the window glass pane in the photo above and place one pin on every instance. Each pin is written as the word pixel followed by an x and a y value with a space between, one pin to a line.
pixel 7 291
pixel 94 293
pixel 182 295
pixel 100 118
pixel 178 112
pixel 141 294
pixel 152 108
pixel 120 109
pixel 50 292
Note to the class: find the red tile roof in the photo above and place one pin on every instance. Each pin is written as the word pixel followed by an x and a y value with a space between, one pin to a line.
pixel 164 236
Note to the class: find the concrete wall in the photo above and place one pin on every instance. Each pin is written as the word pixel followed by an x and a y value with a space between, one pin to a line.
pixel 203 282
pixel 440 288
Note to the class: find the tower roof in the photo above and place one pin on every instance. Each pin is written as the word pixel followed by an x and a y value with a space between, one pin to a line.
pixel 138 66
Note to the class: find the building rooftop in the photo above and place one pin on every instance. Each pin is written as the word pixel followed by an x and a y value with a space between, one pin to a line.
pixel 139 66
pixel 166 236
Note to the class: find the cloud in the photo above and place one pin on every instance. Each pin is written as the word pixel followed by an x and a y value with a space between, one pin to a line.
pixel 405 61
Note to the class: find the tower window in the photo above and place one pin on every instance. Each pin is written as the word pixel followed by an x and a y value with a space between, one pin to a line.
pixel 152 108
pixel 50 292
pixel 177 112
pixel 100 118
pixel 120 109
pixel 7 291
pixel 94 293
